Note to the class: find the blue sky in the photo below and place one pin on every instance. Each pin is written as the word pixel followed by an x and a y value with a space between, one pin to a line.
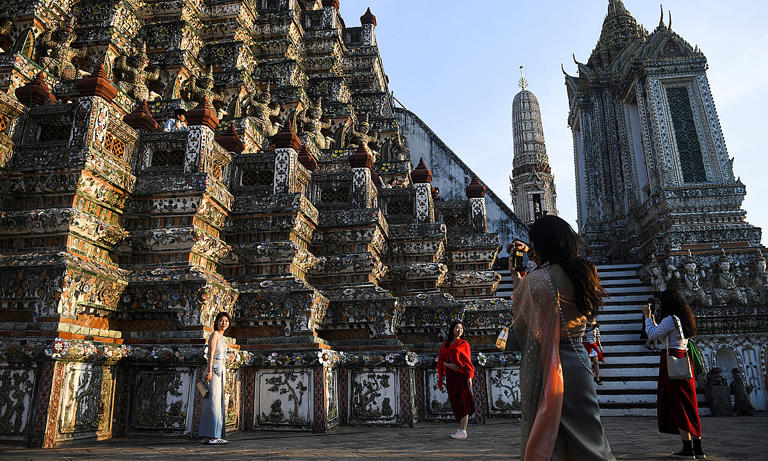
pixel 455 64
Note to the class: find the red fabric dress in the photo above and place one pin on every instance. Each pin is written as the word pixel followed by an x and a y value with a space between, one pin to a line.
pixel 677 407
pixel 459 393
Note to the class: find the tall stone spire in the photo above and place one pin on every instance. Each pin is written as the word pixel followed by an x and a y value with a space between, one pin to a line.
pixel 531 183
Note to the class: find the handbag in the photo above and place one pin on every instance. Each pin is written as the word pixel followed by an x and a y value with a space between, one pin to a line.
pixel 202 389
pixel 696 359
pixel 678 367
pixel 501 340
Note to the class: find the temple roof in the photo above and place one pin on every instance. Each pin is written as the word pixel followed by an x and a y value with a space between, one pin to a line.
pixel 619 30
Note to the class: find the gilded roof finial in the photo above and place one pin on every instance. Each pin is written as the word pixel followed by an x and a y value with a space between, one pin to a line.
pixel 522 82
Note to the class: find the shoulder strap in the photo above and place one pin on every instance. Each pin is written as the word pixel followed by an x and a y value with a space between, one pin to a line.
pixel 679 326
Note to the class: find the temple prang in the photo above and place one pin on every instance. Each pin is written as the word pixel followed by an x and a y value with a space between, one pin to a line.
pixel 655 185
pixel 288 201
pixel 532 184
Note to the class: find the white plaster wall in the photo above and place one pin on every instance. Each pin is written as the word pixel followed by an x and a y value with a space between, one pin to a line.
pixel 452 175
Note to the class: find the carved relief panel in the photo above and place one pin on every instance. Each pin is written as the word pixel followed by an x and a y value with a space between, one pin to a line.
pixel 375 396
pixel 161 399
pixel 503 391
pixel 436 404
pixel 284 398
pixel 86 401
pixel 15 401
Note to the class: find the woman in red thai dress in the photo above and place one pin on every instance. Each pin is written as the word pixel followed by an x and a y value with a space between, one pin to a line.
pixel 455 365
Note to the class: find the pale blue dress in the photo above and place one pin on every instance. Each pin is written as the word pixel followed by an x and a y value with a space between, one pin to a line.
pixel 213 408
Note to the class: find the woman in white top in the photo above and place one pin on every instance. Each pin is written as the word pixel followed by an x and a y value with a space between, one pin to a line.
pixel 676 407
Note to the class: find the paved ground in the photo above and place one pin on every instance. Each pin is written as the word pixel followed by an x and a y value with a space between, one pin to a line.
pixel 632 438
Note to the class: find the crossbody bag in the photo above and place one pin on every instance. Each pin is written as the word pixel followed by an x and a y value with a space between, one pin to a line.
pixel 678 367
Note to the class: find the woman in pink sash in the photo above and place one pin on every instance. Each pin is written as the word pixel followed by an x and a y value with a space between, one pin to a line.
pixel 560 415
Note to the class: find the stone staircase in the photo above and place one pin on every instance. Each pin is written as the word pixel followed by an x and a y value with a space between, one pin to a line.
pixel 630 372
pixel 504 290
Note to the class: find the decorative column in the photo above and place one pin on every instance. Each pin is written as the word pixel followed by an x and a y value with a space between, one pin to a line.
pixel 422 183
pixel 476 196
pixel 286 146
pixel 363 190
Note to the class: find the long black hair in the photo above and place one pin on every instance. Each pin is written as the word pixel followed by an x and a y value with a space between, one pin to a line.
pixel 674 303
pixel 449 336
pixel 554 241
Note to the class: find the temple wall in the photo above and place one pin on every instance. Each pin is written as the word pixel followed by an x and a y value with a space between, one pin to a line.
pixel 747 352
pixel 451 175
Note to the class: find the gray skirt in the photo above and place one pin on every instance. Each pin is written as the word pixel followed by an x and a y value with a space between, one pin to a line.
pixel 581 435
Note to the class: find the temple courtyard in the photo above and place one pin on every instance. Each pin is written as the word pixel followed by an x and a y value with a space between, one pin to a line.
pixel 632 438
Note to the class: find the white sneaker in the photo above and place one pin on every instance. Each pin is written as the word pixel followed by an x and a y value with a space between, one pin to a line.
pixel 218 442
pixel 459 434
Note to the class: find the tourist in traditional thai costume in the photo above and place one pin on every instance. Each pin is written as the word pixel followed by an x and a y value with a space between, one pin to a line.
pixel 213 407
pixel 677 408
pixel 594 348
pixel 454 364
pixel 560 417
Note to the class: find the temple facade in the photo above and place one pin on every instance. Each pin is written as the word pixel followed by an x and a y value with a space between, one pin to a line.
pixel 290 201
pixel 655 185
pixel 532 185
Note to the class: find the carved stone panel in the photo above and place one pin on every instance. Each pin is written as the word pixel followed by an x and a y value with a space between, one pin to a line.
pixel 232 399
pixel 424 209
pixel 375 396
pixel 15 401
pixel 332 397
pixel 436 404
pixel 503 391
pixel 161 399
pixel 284 398
pixel 86 401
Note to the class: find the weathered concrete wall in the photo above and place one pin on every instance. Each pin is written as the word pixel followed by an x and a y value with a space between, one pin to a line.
pixel 452 175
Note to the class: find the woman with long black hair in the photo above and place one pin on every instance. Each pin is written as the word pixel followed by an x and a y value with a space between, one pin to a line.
pixel 454 363
pixel 560 416
pixel 677 409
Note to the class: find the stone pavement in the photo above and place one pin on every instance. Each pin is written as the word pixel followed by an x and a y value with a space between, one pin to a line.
pixel 632 438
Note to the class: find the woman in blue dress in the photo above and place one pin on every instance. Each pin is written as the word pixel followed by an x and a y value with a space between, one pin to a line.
pixel 214 408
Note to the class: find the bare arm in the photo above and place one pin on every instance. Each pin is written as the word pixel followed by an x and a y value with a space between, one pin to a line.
pixel 212 342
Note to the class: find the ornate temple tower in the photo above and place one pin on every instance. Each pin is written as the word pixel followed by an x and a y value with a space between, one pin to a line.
pixel 653 173
pixel 655 187
pixel 532 185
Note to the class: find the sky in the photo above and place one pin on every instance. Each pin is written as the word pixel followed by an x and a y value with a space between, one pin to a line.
pixel 455 63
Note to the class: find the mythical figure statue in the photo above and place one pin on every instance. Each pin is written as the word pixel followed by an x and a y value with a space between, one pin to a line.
pixel 261 107
pixel 658 278
pixel 200 87
pixel 743 404
pixel 761 275
pixel 313 125
pixel 690 284
pixel 133 74
pixel 395 149
pixel 60 54
pixel 362 135
pixel 726 291
pixel 758 292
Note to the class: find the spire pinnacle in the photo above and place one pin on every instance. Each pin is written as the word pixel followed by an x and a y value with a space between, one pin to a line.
pixel 523 83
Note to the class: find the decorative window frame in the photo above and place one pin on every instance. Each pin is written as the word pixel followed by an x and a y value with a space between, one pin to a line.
pixel 703 131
